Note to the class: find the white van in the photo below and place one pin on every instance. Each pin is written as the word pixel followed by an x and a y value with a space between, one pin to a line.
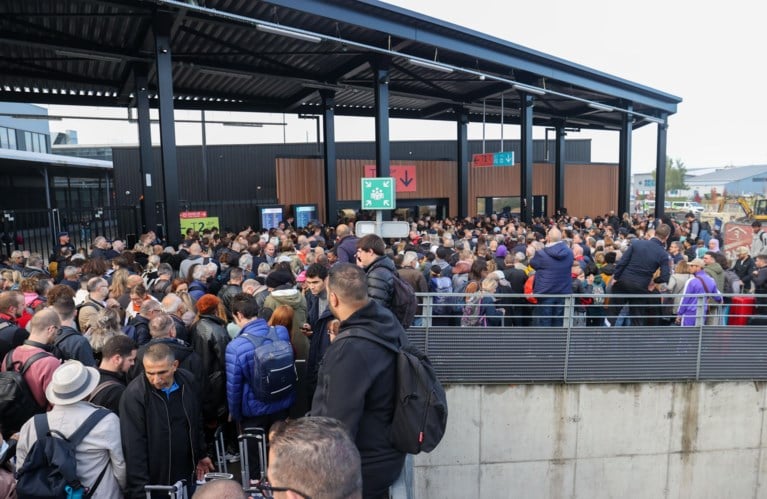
pixel 692 206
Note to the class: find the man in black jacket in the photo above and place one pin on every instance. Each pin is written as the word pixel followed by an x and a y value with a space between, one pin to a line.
pixel 318 319
pixel 634 276
pixel 11 334
pixel 161 425
pixel 379 268
pixel 118 357
pixel 357 375
pixel 163 330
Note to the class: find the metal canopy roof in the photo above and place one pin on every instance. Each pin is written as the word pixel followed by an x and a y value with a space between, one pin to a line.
pixel 227 56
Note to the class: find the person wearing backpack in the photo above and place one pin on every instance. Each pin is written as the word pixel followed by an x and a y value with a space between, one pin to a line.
pixel 252 400
pixel 99 465
pixel 42 331
pixel 378 268
pixel 69 344
pixel 357 375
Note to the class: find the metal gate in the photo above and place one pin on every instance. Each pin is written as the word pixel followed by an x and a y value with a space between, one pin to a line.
pixel 35 230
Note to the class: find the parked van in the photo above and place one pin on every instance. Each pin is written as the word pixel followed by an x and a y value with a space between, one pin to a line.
pixel 692 206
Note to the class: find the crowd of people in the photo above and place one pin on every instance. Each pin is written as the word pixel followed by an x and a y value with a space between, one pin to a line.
pixel 165 338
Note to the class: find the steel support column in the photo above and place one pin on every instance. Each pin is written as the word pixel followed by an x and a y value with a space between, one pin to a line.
pixel 329 155
pixel 526 157
pixel 624 164
pixel 660 170
pixel 383 148
pixel 462 163
pixel 559 170
pixel 167 129
pixel 146 162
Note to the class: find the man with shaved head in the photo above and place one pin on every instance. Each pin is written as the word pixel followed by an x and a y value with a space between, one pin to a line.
pixel 346 245
pixel 552 265
pixel 195 256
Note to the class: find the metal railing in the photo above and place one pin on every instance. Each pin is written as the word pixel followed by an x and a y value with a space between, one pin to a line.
pixel 35 230
pixel 715 348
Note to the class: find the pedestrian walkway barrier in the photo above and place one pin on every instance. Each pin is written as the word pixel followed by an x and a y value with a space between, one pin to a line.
pixel 605 341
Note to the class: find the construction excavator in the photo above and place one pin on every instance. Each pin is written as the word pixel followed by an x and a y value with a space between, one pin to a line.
pixel 755 209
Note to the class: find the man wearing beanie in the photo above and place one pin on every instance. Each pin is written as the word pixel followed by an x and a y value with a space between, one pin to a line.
pixel 282 291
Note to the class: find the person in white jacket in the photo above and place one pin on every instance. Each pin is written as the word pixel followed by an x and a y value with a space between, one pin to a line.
pixel 71 383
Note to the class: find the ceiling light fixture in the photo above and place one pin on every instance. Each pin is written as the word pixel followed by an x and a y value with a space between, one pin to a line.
pixel 655 120
pixel 601 107
pixel 521 87
pixel 430 65
pixel 578 122
pixel 88 55
pixel 298 35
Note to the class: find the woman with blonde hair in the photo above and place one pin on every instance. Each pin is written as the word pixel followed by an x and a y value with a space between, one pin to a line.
pixel 103 326
pixel 119 285
pixel 677 281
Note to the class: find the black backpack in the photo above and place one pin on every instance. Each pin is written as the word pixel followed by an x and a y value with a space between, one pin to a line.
pixel 50 469
pixel 420 411
pixel 58 352
pixel 17 404
pixel 274 369
pixel 404 303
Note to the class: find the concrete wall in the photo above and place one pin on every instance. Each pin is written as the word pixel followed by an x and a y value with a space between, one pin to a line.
pixel 697 440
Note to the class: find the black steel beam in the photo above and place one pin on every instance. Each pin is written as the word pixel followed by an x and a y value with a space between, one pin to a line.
pixel 660 170
pixel 162 30
pixel 148 177
pixel 559 169
pixel 526 157
pixel 462 163
pixel 624 165
pixel 329 156
pixel 383 148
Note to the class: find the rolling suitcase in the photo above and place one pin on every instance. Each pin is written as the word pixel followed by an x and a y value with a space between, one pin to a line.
pixel 256 436
pixel 175 491
pixel 218 438
pixel 741 310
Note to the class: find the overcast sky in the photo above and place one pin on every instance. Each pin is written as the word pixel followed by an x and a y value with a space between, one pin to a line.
pixel 709 54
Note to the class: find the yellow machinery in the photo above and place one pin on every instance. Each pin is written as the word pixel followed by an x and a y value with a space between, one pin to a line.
pixel 757 210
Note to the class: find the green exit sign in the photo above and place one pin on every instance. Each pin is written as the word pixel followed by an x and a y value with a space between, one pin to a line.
pixel 378 193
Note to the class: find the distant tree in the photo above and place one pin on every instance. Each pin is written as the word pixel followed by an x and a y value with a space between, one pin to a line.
pixel 675 173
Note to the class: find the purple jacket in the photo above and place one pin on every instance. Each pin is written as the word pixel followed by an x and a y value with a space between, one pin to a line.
pixel 693 289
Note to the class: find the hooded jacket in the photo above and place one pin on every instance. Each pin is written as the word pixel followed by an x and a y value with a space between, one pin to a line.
pixel 295 300
pixel 552 267
pixel 716 272
pixel 356 385
pixel 346 249
pixel 242 402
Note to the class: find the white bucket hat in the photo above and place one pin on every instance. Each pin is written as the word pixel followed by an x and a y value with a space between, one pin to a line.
pixel 71 383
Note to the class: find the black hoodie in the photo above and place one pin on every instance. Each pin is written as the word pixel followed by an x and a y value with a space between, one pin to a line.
pixel 356 384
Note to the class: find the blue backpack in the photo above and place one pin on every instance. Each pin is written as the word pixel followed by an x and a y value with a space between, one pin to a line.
pixel 441 286
pixel 274 369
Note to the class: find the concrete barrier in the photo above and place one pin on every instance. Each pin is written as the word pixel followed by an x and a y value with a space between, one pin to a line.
pixel 661 440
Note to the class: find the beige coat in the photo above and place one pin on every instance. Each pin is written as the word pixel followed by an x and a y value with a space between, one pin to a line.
pixel 100 446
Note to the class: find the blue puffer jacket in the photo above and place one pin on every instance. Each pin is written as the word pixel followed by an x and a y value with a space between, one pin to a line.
pixel 239 372
pixel 552 269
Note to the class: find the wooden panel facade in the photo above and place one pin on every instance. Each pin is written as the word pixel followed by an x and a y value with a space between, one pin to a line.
pixel 302 180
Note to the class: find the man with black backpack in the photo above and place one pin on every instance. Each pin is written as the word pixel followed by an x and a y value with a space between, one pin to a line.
pixel 357 375
pixel 69 344
pixel 19 401
pixel 73 445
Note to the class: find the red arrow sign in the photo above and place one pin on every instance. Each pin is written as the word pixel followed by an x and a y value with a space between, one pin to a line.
pixel 405 175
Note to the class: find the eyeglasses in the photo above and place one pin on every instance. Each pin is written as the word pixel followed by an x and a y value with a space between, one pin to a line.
pixel 268 490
